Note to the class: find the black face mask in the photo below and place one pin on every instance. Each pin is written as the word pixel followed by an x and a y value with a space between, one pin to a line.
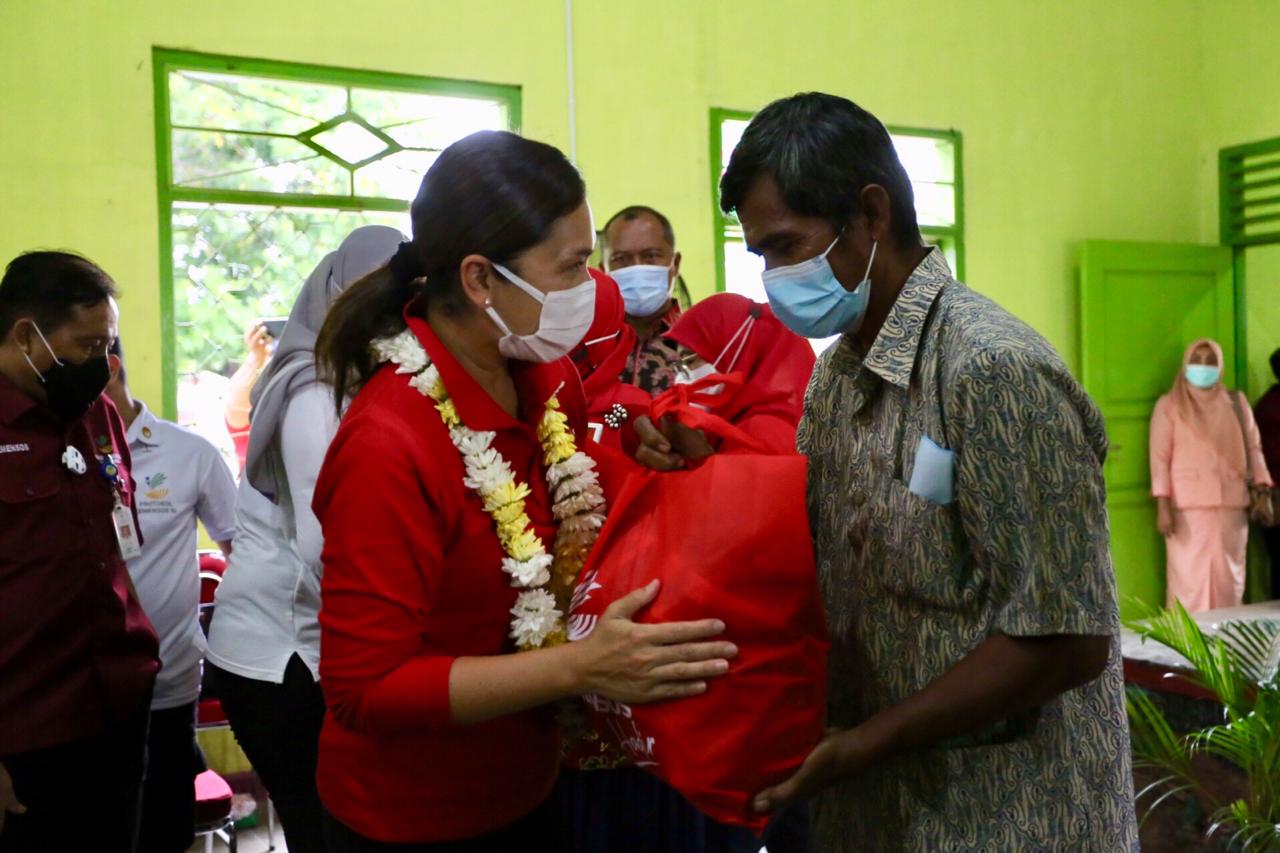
pixel 72 388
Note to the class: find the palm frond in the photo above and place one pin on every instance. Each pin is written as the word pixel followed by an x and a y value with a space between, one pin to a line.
pixel 1153 739
pixel 1216 667
pixel 1256 646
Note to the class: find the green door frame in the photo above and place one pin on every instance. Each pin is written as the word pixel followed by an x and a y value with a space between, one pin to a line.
pixel 954 234
pixel 164 61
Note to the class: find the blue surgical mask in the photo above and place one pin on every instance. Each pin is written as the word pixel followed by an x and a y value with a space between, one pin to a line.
pixel 812 302
pixel 1203 375
pixel 646 288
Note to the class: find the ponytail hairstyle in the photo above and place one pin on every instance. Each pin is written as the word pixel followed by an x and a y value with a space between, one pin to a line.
pixel 492 193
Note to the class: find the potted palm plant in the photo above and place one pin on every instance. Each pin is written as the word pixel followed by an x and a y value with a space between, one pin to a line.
pixel 1240 665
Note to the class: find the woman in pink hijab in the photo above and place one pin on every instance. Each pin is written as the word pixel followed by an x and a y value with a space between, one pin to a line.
pixel 1204 445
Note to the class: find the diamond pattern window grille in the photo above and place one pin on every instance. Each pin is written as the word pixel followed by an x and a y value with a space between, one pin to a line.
pixel 266 167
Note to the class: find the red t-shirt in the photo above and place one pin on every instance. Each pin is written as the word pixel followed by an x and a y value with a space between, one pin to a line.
pixel 412 580
pixel 76 648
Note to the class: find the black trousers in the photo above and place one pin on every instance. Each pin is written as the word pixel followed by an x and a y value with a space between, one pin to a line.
pixel 539 832
pixel 168 794
pixel 1271 536
pixel 278 727
pixel 82 795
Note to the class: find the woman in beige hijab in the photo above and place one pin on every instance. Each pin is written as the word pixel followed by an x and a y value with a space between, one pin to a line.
pixel 1204 447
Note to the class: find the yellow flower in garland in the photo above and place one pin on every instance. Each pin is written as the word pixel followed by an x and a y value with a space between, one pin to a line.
pixel 524 545
pixel 557 441
pixel 506 494
pixel 510 531
pixel 448 412
pixel 512 513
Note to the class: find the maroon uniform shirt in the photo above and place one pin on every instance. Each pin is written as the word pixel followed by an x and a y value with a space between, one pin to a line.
pixel 76 649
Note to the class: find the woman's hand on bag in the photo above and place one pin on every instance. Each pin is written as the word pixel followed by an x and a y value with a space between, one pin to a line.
pixel 1164 518
pixel 669 445
pixel 634 663
pixel 840 754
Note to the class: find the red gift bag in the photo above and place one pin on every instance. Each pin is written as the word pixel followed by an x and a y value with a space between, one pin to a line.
pixel 729 540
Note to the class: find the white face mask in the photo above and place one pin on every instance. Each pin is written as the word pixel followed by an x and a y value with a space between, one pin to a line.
pixel 646 288
pixel 566 316
pixel 687 376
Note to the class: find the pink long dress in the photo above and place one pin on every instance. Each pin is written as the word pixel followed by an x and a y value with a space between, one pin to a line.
pixel 1198 461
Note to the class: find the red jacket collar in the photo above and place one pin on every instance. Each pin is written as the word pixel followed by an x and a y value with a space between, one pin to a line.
pixel 535 384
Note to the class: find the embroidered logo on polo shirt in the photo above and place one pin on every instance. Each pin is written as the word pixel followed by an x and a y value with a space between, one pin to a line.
pixel 21 447
pixel 154 482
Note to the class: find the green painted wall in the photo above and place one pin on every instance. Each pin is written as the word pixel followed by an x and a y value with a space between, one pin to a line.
pixel 1080 120
pixel 1241 76
pixel 77 149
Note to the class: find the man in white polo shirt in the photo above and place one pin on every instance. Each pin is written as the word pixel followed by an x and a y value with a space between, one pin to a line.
pixel 180 478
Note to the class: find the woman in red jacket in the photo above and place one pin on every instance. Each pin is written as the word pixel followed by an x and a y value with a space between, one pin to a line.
pixel 457 508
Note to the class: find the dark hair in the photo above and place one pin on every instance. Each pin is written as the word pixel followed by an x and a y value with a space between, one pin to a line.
pixel 634 212
pixel 492 193
pixel 48 286
pixel 822 150
pixel 1275 363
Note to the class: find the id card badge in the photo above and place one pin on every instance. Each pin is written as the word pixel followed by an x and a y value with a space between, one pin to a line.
pixel 126 532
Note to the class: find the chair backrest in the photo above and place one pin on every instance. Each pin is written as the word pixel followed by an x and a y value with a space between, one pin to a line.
pixel 212 567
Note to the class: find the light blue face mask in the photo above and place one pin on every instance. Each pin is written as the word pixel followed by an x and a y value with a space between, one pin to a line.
pixel 1203 375
pixel 646 288
pixel 812 302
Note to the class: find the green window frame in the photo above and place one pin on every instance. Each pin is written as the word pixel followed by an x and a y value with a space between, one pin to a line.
pixel 170 192
pixel 1248 215
pixel 949 238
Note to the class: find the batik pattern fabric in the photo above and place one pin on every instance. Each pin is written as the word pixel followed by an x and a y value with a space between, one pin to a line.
pixel 912 586
pixel 654 362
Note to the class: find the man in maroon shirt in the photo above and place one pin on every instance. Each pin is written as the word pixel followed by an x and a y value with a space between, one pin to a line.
pixel 1267 414
pixel 78 656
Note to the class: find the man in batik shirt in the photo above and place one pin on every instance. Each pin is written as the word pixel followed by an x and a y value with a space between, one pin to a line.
pixel 959 520
pixel 638 248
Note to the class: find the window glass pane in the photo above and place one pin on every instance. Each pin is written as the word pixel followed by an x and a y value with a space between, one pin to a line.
pixel 233 266
pixel 350 141
pixel 742 269
pixel 234 161
pixel 232 102
pixel 397 176
pixel 426 121
pixel 926 158
pixel 731 131
pixel 935 204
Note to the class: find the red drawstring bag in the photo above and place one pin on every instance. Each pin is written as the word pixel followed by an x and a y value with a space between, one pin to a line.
pixel 729 540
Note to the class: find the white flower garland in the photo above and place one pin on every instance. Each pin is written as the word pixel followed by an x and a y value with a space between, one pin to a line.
pixel 545 581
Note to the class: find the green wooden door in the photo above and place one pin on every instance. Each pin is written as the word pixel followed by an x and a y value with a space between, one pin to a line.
pixel 1141 304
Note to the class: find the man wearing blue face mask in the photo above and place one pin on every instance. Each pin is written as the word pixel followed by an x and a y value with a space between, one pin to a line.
pixel 959 520
pixel 638 246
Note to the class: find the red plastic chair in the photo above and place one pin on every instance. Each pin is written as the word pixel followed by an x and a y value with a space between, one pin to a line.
pixel 212 566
